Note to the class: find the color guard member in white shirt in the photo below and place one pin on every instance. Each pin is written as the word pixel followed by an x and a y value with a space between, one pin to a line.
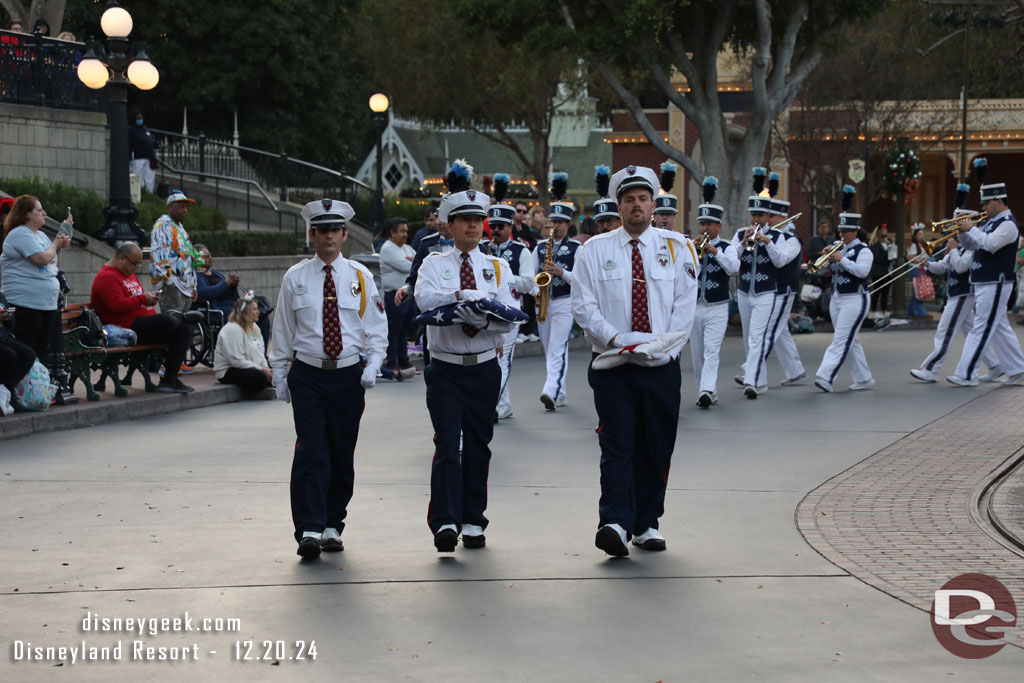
pixel 329 316
pixel 630 285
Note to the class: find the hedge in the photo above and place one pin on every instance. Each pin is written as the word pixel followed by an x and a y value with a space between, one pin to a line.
pixel 234 243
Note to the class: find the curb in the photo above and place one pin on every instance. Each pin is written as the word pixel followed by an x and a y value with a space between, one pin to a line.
pixel 106 411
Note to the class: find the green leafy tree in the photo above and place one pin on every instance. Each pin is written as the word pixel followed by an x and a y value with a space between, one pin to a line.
pixel 285 66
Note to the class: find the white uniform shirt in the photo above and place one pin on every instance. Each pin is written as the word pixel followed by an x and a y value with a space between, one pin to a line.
pixel 788 246
pixel 438 282
pixel 1006 233
pixel 523 283
pixel 778 251
pixel 299 319
pixel 959 260
pixel 602 292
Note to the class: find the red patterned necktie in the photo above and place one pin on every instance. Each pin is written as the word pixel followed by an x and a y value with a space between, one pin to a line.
pixel 641 313
pixel 332 323
pixel 467 281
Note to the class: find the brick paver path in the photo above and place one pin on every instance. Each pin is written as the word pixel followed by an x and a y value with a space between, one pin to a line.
pixel 902 520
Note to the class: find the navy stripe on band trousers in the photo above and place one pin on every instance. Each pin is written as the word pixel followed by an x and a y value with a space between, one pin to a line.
pixel 327 406
pixel 638 411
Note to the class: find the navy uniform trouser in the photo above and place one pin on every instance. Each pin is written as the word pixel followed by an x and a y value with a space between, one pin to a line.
pixel 638 412
pixel 327 406
pixel 460 399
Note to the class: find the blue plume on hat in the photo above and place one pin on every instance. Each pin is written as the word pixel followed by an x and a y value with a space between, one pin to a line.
pixel 559 186
pixel 848 193
pixel 759 173
pixel 501 181
pixel 710 187
pixel 980 167
pixel 668 176
pixel 602 179
pixel 961 195
pixel 458 177
pixel 773 184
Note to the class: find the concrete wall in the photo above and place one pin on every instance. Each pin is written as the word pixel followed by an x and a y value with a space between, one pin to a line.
pixel 70 147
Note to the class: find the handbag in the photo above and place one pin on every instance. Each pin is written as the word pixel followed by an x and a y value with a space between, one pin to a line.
pixel 924 288
pixel 35 391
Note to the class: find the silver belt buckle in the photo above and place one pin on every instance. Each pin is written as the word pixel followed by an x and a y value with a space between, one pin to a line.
pixel 328 365
pixel 470 360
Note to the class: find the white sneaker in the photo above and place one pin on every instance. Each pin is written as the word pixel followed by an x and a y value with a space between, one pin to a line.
pixel 704 400
pixel 753 392
pixel 561 403
pixel 521 338
pixel 650 540
pixel 961 382
pixel 504 412
pixel 924 375
pixel 796 381
pixel 823 384
pixel 863 386
pixel 532 337
pixel 611 538
pixel 1014 380
pixel 992 375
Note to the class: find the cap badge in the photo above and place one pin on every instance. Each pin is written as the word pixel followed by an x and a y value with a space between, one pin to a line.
pixel 631 170
pixel 326 203
pixel 471 194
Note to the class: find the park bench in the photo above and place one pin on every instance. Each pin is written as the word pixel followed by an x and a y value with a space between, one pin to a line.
pixel 82 359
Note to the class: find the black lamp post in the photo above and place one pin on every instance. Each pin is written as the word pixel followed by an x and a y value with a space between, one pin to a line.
pixel 120 64
pixel 379 106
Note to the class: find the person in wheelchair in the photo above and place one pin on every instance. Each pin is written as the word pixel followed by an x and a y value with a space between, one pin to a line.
pixel 218 293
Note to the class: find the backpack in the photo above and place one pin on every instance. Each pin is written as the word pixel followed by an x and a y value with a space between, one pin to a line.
pixel 94 334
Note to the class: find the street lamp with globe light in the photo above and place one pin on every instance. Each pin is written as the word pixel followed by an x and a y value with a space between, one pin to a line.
pixel 121 63
pixel 379 104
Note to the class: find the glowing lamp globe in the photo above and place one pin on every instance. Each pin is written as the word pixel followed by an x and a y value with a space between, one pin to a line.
pixel 93 73
pixel 116 22
pixel 143 75
pixel 379 103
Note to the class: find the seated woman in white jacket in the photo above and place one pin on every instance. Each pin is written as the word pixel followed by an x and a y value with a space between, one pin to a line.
pixel 240 357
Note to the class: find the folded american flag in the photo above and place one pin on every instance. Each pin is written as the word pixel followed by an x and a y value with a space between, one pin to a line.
pixel 445 315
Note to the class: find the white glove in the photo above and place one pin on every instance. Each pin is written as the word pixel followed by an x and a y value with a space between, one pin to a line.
pixel 281 385
pixel 652 361
pixel 470 317
pixel 369 377
pixel 631 338
pixel 472 295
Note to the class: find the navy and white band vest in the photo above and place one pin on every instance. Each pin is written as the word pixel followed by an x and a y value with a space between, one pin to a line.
pixel 510 251
pixel 788 278
pixel 991 267
pixel 843 281
pixel 565 257
pixel 957 284
pixel 714 281
pixel 757 267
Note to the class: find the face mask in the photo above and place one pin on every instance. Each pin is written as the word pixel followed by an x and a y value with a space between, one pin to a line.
pixel 138 122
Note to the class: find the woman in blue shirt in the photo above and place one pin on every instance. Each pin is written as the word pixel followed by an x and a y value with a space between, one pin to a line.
pixel 28 274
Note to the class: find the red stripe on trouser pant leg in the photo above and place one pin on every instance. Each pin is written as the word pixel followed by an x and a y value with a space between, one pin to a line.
pixel 664 476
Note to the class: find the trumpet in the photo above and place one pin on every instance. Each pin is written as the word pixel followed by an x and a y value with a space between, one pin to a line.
pixel 822 261
pixel 750 242
pixel 702 245
pixel 976 217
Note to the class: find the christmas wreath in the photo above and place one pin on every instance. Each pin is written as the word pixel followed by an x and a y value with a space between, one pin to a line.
pixel 903 169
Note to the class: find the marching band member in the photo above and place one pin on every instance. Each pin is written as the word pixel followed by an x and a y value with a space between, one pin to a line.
pixel 788 283
pixel 556 256
pixel 606 211
pixel 463 378
pixel 666 203
pixel 758 281
pixel 958 313
pixel 995 250
pixel 631 285
pixel 519 259
pixel 850 266
pixel 717 264
pixel 328 315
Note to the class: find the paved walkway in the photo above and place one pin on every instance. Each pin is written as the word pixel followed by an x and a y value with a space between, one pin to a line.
pixel 189 512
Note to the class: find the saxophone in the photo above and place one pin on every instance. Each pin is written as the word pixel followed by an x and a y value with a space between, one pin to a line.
pixel 543 280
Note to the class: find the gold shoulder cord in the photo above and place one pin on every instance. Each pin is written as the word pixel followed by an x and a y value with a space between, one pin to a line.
pixel 692 252
pixel 362 292
pixel 671 250
pixel 497 270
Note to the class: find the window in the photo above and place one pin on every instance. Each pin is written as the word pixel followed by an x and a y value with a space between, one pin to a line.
pixel 393 176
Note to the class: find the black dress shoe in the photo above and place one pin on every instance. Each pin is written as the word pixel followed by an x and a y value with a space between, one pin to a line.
pixel 309 548
pixel 331 545
pixel 608 540
pixel 473 542
pixel 445 540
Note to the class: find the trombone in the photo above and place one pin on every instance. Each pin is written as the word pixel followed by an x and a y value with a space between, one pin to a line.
pixel 822 261
pixel 928 250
